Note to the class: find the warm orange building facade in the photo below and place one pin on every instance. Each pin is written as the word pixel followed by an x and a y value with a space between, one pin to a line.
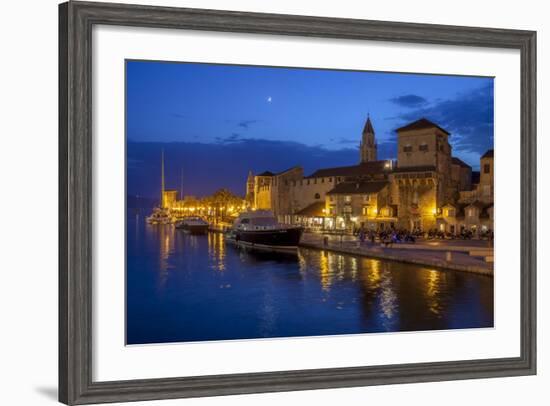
pixel 418 190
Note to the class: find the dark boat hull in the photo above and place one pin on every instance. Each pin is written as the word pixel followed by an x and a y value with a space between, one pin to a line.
pixel 194 229
pixel 287 237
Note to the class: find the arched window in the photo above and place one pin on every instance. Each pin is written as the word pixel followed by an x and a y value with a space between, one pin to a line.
pixel 317 196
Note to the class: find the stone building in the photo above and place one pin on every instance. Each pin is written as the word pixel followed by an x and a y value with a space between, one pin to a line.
pixel 272 190
pixel 474 208
pixel 314 188
pixel 169 198
pixel 409 193
pixel 461 174
pixel 422 180
pixel 249 197
pixel 485 188
pixel 361 203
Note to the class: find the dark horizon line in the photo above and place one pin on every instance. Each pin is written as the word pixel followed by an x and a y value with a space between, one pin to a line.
pixel 128 140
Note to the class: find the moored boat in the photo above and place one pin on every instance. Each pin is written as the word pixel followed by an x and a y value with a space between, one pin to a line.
pixel 193 225
pixel 160 216
pixel 260 229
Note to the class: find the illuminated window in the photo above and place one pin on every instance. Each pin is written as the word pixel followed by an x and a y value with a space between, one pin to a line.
pixel 347 199
pixel 449 213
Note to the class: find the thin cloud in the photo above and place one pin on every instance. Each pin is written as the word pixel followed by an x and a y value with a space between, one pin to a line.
pixel 345 141
pixel 469 117
pixel 178 115
pixel 409 101
pixel 234 137
pixel 246 123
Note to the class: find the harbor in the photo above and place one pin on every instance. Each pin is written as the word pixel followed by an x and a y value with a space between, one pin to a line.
pixel 467 256
pixel 261 227
pixel 242 224
pixel 185 287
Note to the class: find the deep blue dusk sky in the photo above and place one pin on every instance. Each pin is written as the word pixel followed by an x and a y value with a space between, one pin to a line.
pixel 312 118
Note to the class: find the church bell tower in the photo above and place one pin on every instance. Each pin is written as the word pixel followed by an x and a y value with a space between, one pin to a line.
pixel 368 147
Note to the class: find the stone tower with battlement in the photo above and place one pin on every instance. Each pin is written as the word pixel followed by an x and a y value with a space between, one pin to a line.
pixel 250 189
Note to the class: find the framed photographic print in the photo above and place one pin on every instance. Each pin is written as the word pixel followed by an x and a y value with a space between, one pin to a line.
pixel 257 202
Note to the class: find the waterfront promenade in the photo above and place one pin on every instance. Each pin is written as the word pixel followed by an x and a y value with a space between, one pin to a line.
pixel 452 254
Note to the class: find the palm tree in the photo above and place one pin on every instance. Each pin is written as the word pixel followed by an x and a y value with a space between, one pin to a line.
pixel 224 203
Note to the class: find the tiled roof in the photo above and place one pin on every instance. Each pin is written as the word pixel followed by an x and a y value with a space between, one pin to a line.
pixel 421 124
pixel 415 169
pixel 478 204
pixel 459 208
pixel 363 169
pixel 313 210
pixel 483 208
pixel 353 188
pixel 460 162
pixel 489 154
pixel 269 173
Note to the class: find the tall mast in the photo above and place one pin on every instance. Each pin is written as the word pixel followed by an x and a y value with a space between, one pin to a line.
pixel 181 185
pixel 162 179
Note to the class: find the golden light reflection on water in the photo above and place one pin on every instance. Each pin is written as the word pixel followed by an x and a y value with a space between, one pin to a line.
pixel 378 282
pixel 325 264
pixel 166 241
pixel 340 266
pixel 216 251
pixel 353 268
pixel 373 274
pixel 432 290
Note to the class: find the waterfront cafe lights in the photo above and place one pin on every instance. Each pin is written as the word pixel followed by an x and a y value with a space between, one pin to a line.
pixel 221 204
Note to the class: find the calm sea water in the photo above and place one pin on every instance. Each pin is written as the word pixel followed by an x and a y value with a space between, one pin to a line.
pixel 197 288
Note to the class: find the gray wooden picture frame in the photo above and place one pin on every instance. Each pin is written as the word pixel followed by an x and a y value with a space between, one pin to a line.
pixel 76 20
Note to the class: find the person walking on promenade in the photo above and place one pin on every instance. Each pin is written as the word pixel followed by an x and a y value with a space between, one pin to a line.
pixel 361 236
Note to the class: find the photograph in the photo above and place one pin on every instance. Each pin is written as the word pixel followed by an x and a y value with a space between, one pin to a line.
pixel 269 202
